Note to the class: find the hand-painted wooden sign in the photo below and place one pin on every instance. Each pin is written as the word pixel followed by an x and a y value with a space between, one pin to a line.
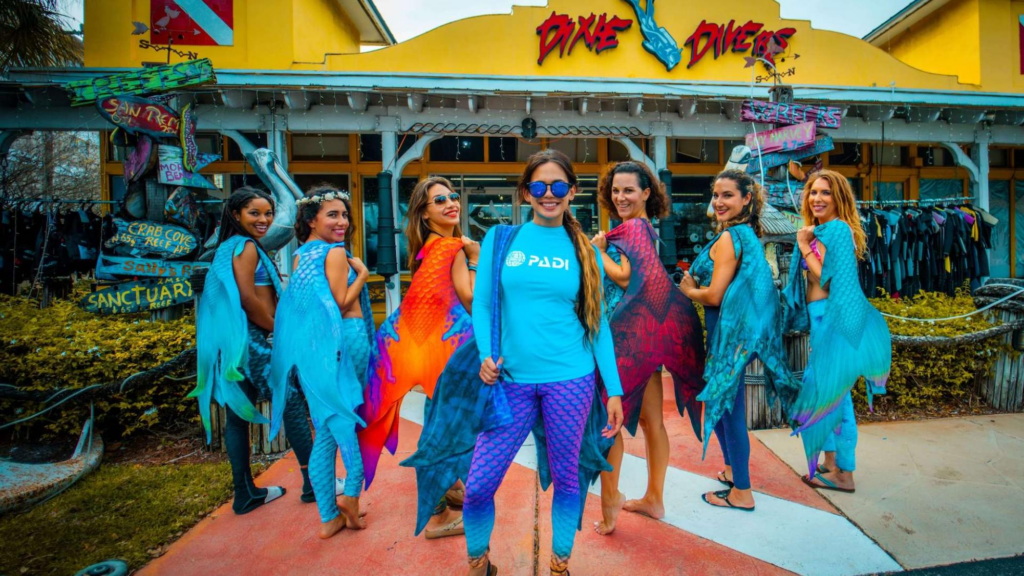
pixel 108 267
pixel 145 81
pixel 139 115
pixel 140 296
pixel 142 237
pixel 784 193
pixel 189 148
pixel 778 113
pixel 171 170
pixel 138 160
pixel 820 146
pixel 181 208
pixel 782 139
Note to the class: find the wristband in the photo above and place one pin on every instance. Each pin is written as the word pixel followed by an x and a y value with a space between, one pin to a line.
pixel 472 267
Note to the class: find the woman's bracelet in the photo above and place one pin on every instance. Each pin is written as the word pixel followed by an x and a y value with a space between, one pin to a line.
pixel 471 266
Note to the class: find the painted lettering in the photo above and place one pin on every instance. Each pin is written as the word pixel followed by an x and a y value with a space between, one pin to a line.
pixel 750 37
pixel 599 33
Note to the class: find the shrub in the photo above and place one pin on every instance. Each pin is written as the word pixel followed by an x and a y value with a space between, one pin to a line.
pixel 65 347
pixel 933 377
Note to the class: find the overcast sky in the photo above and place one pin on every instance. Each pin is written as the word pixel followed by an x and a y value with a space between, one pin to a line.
pixel 409 18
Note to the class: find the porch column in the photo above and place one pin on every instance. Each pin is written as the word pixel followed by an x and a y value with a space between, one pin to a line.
pixel 388 128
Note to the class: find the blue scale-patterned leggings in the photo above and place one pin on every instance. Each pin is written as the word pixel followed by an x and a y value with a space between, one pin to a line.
pixel 565 407
pixel 337 433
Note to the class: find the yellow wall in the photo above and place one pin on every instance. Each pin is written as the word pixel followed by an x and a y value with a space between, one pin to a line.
pixel 508 45
pixel 947 41
pixel 269 34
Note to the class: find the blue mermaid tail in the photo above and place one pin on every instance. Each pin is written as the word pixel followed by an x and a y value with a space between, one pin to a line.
pixel 750 326
pixel 853 340
pixel 222 335
pixel 309 343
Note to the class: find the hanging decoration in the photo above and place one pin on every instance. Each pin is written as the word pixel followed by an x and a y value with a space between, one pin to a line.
pixel 145 81
pixel 820 146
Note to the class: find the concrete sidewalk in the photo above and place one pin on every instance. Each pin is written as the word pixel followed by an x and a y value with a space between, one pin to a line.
pixel 933 492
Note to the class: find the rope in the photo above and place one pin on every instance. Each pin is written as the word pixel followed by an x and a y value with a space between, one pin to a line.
pixel 982 309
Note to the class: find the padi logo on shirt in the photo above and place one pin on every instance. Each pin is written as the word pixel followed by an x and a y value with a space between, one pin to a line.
pixel 518 258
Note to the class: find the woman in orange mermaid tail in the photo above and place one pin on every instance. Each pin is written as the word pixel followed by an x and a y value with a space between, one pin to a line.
pixel 413 345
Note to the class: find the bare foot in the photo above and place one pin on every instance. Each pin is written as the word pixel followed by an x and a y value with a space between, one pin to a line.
pixel 350 509
pixel 610 513
pixel 332 527
pixel 646 507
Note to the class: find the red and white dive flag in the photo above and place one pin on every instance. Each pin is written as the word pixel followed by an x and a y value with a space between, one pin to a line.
pixel 192 22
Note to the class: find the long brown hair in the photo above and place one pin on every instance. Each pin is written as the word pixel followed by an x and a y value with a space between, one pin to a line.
pixel 307 212
pixel 845 203
pixel 751 213
pixel 416 228
pixel 588 298
pixel 657 205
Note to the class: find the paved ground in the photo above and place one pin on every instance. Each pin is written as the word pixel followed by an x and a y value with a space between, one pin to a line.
pixel 934 492
pixel 794 529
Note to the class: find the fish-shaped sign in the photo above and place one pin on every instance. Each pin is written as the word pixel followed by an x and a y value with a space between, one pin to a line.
pixel 110 267
pixel 145 81
pixel 143 238
pixel 140 115
pixel 139 296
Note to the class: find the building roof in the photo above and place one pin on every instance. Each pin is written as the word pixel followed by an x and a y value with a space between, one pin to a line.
pixel 911 14
pixel 373 30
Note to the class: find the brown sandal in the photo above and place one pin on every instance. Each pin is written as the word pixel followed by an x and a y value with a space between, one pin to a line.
pixel 455 498
pixel 454 528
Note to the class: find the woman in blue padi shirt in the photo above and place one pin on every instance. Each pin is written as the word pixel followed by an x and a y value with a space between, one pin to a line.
pixel 553 336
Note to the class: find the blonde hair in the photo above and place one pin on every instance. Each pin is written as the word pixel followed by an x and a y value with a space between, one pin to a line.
pixel 845 203
pixel 588 298
pixel 751 213
pixel 416 228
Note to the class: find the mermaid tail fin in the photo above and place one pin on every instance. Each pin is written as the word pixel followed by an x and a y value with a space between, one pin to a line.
pixel 462 408
pixel 654 325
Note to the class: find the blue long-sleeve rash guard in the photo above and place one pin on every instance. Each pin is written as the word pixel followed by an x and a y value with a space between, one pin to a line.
pixel 542 339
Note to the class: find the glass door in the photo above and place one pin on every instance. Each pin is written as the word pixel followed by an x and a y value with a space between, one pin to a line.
pixel 483 207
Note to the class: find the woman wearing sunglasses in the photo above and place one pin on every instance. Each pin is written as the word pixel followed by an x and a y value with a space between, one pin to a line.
pixel 552 337
pixel 653 325
pixel 414 344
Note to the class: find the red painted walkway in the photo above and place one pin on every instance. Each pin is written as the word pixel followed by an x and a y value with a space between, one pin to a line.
pixel 281 538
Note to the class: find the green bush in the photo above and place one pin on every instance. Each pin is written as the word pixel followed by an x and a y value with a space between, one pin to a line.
pixel 933 377
pixel 65 347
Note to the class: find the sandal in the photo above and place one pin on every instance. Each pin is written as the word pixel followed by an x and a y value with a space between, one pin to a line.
pixel 822 469
pixel 721 478
pixel 826 484
pixel 454 528
pixel 455 498
pixel 724 496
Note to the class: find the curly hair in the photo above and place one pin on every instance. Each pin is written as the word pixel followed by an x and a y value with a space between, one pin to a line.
pixel 416 228
pixel 658 204
pixel 309 210
pixel 751 213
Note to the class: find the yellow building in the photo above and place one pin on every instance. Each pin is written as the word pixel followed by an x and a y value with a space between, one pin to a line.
pixel 931 102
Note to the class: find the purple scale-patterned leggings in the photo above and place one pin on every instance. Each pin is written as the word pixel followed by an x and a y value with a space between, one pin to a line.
pixel 565 407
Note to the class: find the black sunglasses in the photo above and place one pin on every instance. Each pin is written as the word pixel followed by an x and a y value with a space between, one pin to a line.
pixel 453 196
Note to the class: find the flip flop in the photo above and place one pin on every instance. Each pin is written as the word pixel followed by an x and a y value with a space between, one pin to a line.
pixel 822 469
pixel 826 484
pixel 721 478
pixel 724 496
pixel 455 528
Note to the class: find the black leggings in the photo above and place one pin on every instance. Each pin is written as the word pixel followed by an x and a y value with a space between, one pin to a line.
pixel 236 437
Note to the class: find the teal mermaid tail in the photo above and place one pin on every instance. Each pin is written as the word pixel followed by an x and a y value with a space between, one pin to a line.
pixel 750 326
pixel 222 335
pixel 851 341
pixel 309 343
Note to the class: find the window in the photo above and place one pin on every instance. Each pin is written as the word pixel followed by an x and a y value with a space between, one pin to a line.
pixel 370 215
pixel 258 139
pixel 618 153
pixel 686 151
pixel 457 149
pixel 889 191
pixel 320 147
pixel 846 154
pixel 502 149
pixel 690 198
pixel 210 143
pixel 890 155
pixel 999 157
pixel 1018 158
pixel 370 146
pixel 307 181
pixel 932 189
pixel 117 188
pixel 577 149
pixel 934 156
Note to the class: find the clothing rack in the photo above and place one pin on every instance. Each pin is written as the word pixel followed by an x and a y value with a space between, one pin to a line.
pixel 918 201
pixel 55 201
